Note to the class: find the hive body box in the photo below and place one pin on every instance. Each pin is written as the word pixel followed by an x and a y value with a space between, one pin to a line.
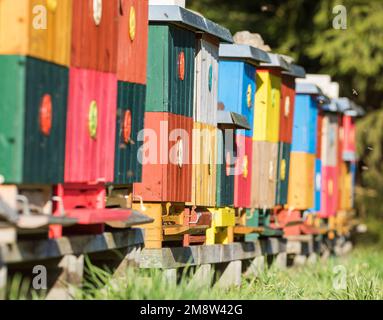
pixel 167 158
pixel 237 89
pixel 287 109
pixel 283 171
pixel 33 110
pixel 206 80
pixel 130 121
pixel 346 186
pixel 301 181
pixel 329 198
pixel 348 152
pixel 28 33
pixel 329 141
pixel 226 155
pixel 95 35
pixel 264 174
pixel 305 124
pixel 243 172
pixel 204 155
pixel 170 77
pixel 91 126
pixel 318 186
pixel 132 41
pixel 267 105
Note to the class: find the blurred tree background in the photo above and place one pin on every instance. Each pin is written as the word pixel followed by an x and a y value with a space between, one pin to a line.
pixel 353 57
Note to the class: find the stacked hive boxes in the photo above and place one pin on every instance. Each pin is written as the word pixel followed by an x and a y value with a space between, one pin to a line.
pixel 179 42
pixel 35 41
pixel 304 147
pixel 237 87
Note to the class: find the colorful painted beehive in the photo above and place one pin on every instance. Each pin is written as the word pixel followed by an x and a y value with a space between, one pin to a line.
pixel 222 228
pixel 330 192
pixel 32 124
pixel 264 174
pixel 346 186
pixel 329 149
pixel 288 101
pixel 95 35
pixel 37 28
pixel 91 126
pixel 318 186
pixel 130 121
pixel 167 158
pixel 301 181
pixel 283 170
pixel 268 99
pixel 132 41
pixel 204 155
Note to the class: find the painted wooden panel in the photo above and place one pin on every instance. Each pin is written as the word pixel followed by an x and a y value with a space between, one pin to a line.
pixel 29 33
pixel 267 105
pixel 167 158
pixel 329 152
pixel 283 171
pixel 319 134
pixel 353 167
pixel 329 204
pixel 243 172
pixel 264 174
pixel 204 180
pixel 252 220
pixel 171 60
pixel 287 109
pixel 286 216
pixel 349 137
pixel 226 158
pixel 318 186
pixel 133 28
pixel 32 123
pixel 237 90
pixel 301 181
pixel 91 126
pixel 345 186
pixel 305 124
pixel 130 121
pixel 95 35
pixel 206 82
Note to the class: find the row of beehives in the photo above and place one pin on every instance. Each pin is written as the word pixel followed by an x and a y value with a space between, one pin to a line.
pixel 220 123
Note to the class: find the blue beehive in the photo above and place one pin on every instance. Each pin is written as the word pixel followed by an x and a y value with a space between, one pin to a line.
pixel 237 80
pixel 318 186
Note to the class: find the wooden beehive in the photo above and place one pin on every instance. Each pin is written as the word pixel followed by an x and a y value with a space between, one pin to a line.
pixel 91 126
pixel 329 150
pixel 330 192
pixel 243 172
pixel 206 80
pixel 95 35
pixel 37 28
pixel 32 124
pixel 130 121
pixel 264 174
pixel 301 181
pixel 167 158
pixel 204 155
pixel 349 136
pixel 132 53
pixel 287 109
pixel 318 185
pixel 283 170
pixel 345 187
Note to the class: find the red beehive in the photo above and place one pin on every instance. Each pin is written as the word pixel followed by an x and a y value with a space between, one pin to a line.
pixel 348 137
pixel 167 158
pixel 242 180
pixel 287 109
pixel 133 28
pixel 95 35
pixel 91 126
pixel 289 221
pixel 329 198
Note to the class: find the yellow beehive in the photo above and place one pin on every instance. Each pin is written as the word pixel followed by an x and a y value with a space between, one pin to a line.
pixel 301 181
pixel 37 28
pixel 204 180
pixel 345 187
pixel 222 227
pixel 267 107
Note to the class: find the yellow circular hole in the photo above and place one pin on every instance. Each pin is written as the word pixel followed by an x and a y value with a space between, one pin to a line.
pixel 132 23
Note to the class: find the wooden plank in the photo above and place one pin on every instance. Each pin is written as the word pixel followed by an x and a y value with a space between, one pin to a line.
pixel 25 251
pixel 247 230
pixel 182 230
pixel 7 233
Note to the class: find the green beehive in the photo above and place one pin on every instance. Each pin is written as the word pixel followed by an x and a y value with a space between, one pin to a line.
pixel 170 70
pixel 225 171
pixel 130 121
pixel 283 169
pixel 33 119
